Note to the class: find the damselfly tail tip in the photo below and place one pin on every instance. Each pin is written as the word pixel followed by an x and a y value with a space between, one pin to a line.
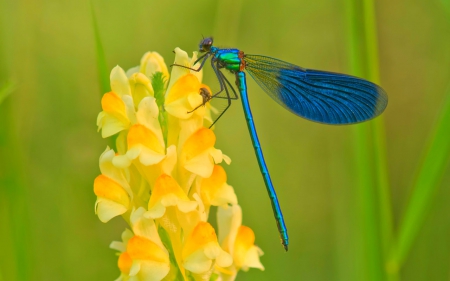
pixel 285 246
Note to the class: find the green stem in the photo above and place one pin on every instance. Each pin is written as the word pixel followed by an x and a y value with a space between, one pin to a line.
pixel 428 176
pixel 373 188
pixel 379 138
pixel 13 197
pixel 103 73
pixel 14 212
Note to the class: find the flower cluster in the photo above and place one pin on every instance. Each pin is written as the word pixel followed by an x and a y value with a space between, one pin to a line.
pixel 163 177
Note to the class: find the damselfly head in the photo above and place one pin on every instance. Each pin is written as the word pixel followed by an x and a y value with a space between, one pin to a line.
pixel 205 45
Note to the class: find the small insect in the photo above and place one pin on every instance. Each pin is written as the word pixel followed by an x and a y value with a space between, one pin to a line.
pixel 320 96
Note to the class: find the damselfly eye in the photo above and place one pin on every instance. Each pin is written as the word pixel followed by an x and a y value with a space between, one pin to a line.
pixel 205 45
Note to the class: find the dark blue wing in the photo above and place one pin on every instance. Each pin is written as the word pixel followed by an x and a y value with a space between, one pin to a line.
pixel 319 96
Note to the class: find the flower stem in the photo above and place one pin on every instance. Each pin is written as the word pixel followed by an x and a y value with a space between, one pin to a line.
pixel 373 183
pixel 428 176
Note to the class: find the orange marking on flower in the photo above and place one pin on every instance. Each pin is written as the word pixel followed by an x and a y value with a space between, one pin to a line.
pixel 212 184
pixel 107 188
pixel 141 248
pixel 112 103
pixel 166 185
pixel 202 234
pixel 245 239
pixel 124 263
pixel 139 134
pixel 185 85
pixel 245 236
pixel 198 142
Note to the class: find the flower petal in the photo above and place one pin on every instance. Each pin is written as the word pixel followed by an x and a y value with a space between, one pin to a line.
pixel 107 209
pixel 197 262
pixel 109 189
pixel 153 271
pixel 119 82
pixel 153 62
pixel 141 248
pixel 124 263
pixel 141 87
pixel 201 165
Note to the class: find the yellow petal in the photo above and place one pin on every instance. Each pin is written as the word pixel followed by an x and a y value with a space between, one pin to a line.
pixel 197 262
pixel 202 234
pixel 229 219
pixel 141 87
pixel 198 142
pixel 153 62
pixel 201 165
pixel 110 124
pixel 119 81
pixel 139 134
pixel 152 271
pixel 107 188
pixel 209 186
pixel 245 239
pixel 141 248
pixel 165 185
pixel 124 263
pixel 252 259
pixel 182 58
pixel 113 104
pixel 107 209
pixel 184 86
pixel 148 114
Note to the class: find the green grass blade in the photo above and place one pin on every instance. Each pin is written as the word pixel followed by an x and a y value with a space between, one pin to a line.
pixel 372 175
pixel 13 198
pixel 379 138
pixel 430 172
pixel 103 73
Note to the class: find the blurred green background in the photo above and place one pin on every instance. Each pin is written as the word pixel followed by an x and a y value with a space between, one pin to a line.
pixel 49 145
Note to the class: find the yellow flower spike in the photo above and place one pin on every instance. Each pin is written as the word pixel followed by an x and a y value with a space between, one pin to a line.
pixel 141 87
pixel 164 176
pixel 153 62
pixel 201 248
pixel 215 191
pixel 166 193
